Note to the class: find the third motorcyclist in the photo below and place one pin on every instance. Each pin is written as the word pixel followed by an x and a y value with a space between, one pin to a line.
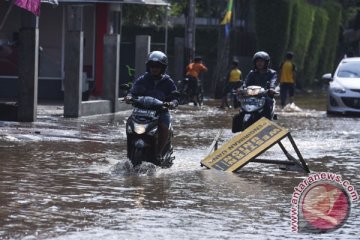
pixel 262 75
pixel 156 83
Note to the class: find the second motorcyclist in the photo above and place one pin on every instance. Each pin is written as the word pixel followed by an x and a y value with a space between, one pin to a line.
pixel 262 75
pixel 156 83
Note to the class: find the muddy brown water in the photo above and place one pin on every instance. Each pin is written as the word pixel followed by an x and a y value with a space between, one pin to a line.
pixel 64 178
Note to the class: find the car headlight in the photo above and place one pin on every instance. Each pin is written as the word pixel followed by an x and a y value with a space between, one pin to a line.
pixel 139 128
pixel 338 90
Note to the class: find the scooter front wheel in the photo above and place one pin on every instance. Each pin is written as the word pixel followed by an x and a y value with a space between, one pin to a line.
pixel 137 157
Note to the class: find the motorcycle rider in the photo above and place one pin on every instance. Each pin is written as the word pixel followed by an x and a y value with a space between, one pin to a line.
pixel 157 84
pixel 193 71
pixel 262 75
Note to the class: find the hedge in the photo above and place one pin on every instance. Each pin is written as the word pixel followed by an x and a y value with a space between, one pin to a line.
pixel 272 24
pixel 328 52
pixel 302 28
pixel 317 41
pixel 311 32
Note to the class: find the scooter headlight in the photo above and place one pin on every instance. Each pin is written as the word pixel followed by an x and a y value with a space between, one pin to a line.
pixel 139 128
pixel 254 90
pixel 252 104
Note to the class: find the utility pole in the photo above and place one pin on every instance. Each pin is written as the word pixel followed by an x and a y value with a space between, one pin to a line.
pixel 190 32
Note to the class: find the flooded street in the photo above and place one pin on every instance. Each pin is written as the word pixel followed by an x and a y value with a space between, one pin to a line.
pixel 64 179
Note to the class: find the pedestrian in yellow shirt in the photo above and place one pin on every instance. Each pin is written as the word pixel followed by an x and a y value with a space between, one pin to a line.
pixel 233 82
pixel 287 79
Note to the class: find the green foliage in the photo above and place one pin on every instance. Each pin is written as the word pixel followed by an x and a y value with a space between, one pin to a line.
pixel 317 41
pixel 177 7
pixel 328 52
pixel 143 15
pixel 310 31
pixel 272 23
pixel 204 8
pixel 302 29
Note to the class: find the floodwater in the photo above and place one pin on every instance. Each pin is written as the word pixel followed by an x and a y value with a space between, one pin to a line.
pixel 65 179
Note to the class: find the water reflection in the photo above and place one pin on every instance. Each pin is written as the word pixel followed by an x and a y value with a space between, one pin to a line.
pixel 68 179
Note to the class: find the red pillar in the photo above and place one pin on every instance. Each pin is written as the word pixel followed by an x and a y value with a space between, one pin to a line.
pixel 101 27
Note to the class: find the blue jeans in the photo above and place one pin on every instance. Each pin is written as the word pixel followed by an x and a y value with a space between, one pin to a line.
pixel 269 102
pixel 165 118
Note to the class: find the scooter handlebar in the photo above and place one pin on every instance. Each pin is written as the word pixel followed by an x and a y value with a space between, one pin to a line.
pixel 169 105
pixel 157 104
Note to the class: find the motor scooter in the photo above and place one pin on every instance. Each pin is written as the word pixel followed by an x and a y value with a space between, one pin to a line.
pixel 252 107
pixel 142 131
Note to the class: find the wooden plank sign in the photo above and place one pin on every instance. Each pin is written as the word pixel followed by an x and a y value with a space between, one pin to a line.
pixel 244 147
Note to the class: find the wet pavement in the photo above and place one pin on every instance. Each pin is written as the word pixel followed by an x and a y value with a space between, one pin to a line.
pixel 65 178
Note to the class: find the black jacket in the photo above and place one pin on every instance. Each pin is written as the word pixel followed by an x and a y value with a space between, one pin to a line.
pixel 160 88
pixel 266 80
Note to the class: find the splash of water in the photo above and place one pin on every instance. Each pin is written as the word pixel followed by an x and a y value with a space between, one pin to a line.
pixel 126 168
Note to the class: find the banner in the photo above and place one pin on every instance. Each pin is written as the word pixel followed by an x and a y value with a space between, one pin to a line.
pixel 227 18
pixel 30 5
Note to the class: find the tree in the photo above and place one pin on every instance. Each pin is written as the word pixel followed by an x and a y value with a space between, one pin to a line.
pixel 190 31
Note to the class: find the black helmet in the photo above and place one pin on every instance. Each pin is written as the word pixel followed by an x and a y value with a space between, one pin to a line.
pixel 235 62
pixel 289 55
pixel 197 59
pixel 157 57
pixel 261 55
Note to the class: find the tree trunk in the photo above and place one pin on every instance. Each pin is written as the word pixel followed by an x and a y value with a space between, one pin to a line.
pixel 190 32
pixel 222 63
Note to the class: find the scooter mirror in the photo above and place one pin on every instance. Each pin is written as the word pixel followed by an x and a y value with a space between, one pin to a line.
pixel 125 86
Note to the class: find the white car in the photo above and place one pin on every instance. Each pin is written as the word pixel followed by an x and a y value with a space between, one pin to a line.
pixel 344 87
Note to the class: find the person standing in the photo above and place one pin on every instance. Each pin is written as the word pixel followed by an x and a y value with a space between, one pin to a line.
pixel 287 79
pixel 193 71
pixel 233 82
